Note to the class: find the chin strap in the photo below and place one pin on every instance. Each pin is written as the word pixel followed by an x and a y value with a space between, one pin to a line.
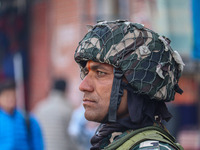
pixel 116 95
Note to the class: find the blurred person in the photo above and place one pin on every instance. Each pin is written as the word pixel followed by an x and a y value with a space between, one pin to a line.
pixel 54 114
pixel 18 131
pixel 128 73
pixel 80 129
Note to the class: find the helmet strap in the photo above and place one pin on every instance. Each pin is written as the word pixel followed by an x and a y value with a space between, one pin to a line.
pixel 116 95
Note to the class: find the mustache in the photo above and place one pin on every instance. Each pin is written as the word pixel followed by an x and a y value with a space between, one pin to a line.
pixel 87 97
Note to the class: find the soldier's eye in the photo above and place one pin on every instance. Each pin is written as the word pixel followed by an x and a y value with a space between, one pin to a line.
pixel 100 73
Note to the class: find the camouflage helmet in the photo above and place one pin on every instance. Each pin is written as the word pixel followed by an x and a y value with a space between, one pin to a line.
pixel 145 58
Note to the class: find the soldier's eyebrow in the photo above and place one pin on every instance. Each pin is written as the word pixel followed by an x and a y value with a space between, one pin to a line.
pixel 99 66
pixel 94 67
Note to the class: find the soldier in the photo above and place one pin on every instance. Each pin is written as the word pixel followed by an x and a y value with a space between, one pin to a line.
pixel 128 73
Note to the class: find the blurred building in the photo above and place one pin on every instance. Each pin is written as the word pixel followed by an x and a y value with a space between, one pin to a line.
pixel 46 33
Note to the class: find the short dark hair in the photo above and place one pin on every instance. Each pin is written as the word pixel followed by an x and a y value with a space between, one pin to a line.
pixel 7 85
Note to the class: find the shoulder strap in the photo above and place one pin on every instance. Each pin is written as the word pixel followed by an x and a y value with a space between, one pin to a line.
pixel 148 133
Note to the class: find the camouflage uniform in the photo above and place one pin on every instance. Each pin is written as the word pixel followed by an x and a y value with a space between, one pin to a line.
pixel 148 138
pixel 143 57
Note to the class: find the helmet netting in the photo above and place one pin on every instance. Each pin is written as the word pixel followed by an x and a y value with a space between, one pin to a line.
pixel 145 58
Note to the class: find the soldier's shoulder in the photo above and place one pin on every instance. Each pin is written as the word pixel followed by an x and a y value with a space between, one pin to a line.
pixel 153 145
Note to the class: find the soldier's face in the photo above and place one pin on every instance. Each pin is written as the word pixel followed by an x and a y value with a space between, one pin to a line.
pixel 97 86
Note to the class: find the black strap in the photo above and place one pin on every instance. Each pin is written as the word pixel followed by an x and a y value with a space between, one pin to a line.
pixel 115 95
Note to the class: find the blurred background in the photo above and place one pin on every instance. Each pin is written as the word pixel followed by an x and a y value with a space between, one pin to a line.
pixel 38 39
